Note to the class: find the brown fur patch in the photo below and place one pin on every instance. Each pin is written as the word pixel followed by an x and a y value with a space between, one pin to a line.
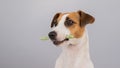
pixel 85 18
pixel 75 29
pixel 59 18
pixel 55 19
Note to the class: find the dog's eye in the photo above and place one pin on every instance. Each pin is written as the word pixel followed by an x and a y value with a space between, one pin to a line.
pixel 69 22
pixel 55 24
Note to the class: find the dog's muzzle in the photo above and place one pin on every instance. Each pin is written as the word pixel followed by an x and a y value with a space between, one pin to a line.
pixel 53 36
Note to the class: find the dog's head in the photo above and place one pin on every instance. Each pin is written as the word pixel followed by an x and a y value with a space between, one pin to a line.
pixel 72 23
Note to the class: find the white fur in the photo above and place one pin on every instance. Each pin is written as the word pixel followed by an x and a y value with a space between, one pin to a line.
pixel 75 55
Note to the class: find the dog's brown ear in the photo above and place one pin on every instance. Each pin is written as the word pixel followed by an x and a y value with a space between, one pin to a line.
pixel 85 18
pixel 54 21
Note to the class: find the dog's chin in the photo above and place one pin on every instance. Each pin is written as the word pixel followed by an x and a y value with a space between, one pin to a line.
pixel 57 42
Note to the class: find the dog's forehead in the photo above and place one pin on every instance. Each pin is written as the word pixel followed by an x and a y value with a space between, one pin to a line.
pixel 72 15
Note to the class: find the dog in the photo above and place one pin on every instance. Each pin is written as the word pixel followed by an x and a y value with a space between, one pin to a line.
pixel 75 51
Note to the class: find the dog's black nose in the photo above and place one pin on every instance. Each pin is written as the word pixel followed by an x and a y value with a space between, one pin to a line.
pixel 52 35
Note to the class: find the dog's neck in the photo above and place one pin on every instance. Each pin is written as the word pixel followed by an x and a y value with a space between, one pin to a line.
pixel 82 46
pixel 78 55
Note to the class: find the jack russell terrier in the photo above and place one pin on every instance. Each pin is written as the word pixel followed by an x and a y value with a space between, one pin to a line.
pixel 75 51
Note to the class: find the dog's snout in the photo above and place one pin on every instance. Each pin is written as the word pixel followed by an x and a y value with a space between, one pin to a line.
pixel 52 35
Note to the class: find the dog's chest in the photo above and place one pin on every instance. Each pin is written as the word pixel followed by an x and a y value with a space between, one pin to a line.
pixel 70 58
pixel 75 58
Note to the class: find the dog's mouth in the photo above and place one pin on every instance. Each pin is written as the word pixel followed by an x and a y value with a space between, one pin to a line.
pixel 56 42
